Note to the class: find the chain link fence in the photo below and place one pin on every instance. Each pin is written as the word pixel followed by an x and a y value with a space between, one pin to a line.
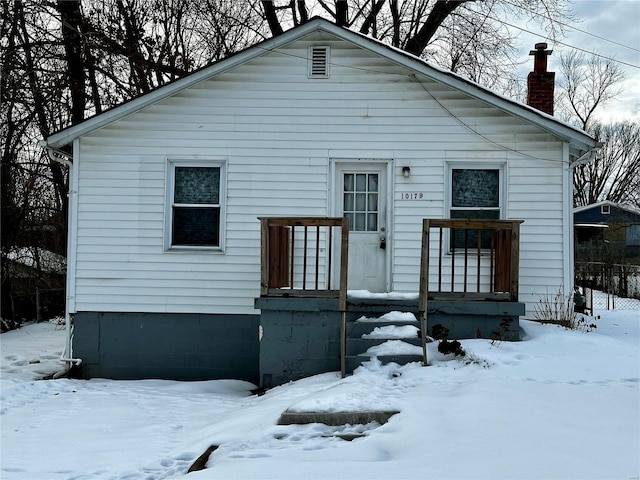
pixel 607 286
pixel 41 305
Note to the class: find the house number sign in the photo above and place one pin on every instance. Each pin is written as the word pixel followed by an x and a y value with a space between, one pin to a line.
pixel 411 196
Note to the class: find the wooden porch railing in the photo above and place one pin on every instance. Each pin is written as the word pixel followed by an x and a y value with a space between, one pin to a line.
pixel 476 259
pixel 298 256
pixel 490 251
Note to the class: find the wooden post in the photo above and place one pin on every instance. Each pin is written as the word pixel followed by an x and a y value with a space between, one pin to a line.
pixel 264 255
pixel 342 300
pixel 515 259
pixel 424 286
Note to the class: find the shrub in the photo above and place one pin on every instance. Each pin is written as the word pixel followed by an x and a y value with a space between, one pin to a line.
pixel 558 309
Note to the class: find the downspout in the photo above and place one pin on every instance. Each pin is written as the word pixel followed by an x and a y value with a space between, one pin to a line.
pixel 64 158
pixel 570 265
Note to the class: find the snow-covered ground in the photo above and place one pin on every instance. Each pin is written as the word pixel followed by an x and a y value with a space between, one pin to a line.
pixel 559 405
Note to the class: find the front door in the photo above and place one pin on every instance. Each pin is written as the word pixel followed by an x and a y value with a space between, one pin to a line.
pixel 361 190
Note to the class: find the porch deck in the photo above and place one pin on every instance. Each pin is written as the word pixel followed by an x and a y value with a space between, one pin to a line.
pixel 468 284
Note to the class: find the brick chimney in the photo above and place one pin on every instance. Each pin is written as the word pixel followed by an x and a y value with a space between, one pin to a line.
pixel 540 83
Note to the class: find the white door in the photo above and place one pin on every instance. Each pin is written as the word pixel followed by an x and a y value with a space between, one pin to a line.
pixel 361 189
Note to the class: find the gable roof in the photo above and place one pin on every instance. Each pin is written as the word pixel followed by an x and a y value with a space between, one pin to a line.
pixel 580 142
pixel 626 208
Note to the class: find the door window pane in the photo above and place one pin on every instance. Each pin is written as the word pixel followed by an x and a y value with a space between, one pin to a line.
pixel 348 182
pixel 373 183
pixel 373 202
pixel 372 222
pixel 348 202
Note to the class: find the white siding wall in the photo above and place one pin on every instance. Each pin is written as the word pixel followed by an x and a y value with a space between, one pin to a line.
pixel 277 130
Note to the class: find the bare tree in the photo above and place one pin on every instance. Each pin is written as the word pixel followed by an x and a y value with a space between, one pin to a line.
pixel 63 61
pixel 586 84
pixel 614 174
pixel 468 37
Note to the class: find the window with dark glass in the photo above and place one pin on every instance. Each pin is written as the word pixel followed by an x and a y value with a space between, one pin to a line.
pixel 195 206
pixel 475 194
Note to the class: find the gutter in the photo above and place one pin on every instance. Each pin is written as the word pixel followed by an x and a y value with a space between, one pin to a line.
pixel 586 157
pixel 64 158
pixel 57 155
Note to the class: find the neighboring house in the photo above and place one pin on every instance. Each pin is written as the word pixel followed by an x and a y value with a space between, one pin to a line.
pixel 607 232
pixel 165 245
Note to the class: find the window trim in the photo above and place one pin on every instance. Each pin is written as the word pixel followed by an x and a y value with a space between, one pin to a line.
pixel 605 209
pixel 501 166
pixel 171 165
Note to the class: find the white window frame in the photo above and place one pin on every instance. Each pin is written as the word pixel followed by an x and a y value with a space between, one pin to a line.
pixel 502 172
pixel 500 166
pixel 172 163
pixel 605 209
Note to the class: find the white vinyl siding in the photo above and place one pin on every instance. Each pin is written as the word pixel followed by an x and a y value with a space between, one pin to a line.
pixel 277 130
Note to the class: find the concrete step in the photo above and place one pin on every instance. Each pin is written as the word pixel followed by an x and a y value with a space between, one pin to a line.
pixel 357 329
pixel 335 418
pixel 354 361
pixel 356 346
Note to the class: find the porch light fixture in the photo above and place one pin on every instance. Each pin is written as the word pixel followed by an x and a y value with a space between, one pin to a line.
pixel 406 172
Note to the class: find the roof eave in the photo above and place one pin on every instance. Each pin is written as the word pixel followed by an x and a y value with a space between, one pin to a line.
pixel 68 135
pixel 580 142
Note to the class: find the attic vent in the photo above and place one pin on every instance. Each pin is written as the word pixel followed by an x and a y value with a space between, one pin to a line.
pixel 318 62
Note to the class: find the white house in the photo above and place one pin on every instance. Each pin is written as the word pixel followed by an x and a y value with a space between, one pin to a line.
pixel 164 260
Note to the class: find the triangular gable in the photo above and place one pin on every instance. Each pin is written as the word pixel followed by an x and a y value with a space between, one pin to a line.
pixel 579 141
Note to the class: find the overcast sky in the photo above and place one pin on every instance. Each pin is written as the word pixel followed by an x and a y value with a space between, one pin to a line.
pixel 614 20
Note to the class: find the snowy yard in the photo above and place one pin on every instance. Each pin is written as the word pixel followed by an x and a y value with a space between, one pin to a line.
pixel 559 405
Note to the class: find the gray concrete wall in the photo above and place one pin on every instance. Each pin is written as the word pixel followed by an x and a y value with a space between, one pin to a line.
pixel 463 319
pixel 167 346
pixel 300 337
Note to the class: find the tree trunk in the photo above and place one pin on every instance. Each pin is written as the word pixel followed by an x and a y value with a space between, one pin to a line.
pixel 272 17
pixel 440 11
pixel 71 22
